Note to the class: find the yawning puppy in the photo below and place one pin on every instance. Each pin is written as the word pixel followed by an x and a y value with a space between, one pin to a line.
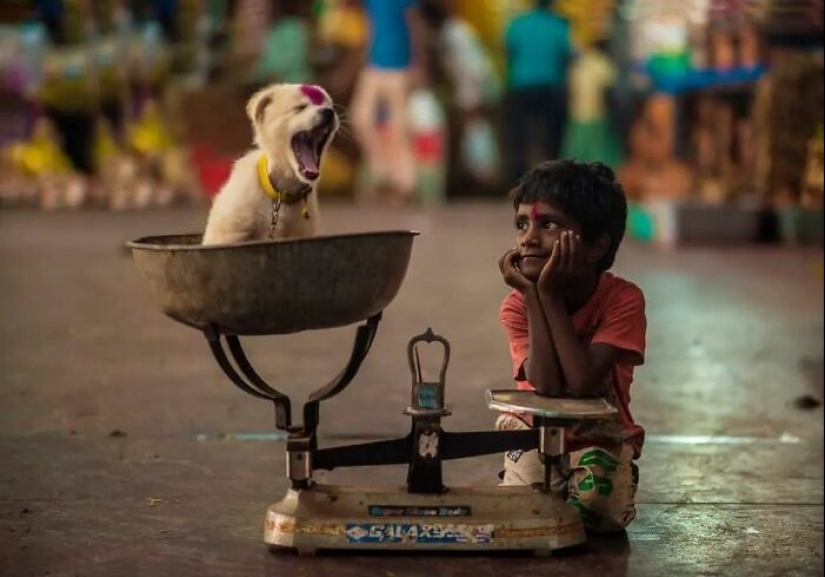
pixel 293 124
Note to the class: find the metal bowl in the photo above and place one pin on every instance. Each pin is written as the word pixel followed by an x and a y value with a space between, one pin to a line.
pixel 274 287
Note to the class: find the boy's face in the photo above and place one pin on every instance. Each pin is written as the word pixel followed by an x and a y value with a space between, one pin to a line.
pixel 538 227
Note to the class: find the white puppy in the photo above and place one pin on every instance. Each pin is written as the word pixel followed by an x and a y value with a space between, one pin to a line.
pixel 293 125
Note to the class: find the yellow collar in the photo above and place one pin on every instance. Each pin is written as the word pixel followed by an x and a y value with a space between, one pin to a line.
pixel 269 189
pixel 263 179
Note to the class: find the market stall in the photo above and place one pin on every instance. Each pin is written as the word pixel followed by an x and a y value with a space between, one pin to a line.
pixel 733 104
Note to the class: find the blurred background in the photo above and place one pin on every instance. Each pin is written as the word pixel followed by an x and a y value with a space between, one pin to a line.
pixel 710 111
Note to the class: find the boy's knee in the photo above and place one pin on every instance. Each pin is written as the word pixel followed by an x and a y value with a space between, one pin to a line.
pixel 522 468
pixel 510 422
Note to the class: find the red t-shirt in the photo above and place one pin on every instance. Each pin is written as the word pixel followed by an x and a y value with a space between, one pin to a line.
pixel 614 315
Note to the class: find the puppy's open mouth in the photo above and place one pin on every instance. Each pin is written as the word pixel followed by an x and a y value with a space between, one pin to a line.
pixel 308 147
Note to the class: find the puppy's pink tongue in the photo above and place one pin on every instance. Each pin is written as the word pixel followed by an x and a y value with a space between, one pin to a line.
pixel 308 161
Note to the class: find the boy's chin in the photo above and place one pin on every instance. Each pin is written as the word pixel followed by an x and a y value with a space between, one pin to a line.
pixel 531 271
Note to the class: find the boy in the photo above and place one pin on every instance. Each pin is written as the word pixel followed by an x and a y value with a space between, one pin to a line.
pixel 575 330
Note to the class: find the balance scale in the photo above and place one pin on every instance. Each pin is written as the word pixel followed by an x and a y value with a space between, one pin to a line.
pixel 283 287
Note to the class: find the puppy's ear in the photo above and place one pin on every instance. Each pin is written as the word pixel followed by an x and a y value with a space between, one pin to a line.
pixel 256 107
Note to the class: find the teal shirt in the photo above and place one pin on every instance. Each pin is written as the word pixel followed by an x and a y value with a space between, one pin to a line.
pixel 390 42
pixel 538 48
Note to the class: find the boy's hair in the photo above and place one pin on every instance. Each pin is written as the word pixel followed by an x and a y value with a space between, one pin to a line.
pixel 585 192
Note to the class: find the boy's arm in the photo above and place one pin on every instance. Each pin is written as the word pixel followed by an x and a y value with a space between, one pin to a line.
pixel 542 367
pixel 534 357
pixel 619 338
pixel 584 368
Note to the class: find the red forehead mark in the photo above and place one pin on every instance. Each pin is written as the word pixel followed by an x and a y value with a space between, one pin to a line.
pixel 534 212
pixel 315 94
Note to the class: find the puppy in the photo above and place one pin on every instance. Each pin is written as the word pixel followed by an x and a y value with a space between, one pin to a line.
pixel 293 125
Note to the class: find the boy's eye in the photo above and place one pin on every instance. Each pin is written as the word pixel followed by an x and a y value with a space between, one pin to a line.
pixel 521 225
pixel 550 225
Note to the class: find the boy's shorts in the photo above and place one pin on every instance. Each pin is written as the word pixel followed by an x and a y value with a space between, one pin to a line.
pixel 599 481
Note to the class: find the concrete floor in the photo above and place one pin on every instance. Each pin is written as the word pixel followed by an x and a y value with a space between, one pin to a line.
pixel 115 459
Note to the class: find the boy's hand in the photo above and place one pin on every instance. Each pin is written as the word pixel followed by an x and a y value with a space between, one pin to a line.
pixel 508 265
pixel 563 263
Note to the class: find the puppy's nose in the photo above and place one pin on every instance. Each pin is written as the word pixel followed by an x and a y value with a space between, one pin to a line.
pixel 327 115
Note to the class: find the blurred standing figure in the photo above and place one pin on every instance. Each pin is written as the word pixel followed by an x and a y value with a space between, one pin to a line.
pixel 589 135
pixel 476 89
pixel 289 27
pixel 344 29
pixel 395 52
pixel 250 19
pixel 467 64
pixel 538 49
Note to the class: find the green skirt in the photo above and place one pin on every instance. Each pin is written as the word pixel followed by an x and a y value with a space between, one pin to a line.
pixel 591 141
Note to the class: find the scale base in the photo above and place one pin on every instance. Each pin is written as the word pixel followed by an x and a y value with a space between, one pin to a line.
pixel 390 518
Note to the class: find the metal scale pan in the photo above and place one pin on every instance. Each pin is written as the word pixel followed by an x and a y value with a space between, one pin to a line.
pixel 274 287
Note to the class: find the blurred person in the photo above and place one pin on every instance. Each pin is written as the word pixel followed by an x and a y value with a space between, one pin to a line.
pixel 395 62
pixel 589 135
pixel 344 27
pixel 250 20
pixel 342 43
pixel 285 53
pixel 476 87
pixel 466 62
pixel 538 49
pixel 68 99
pixel 575 330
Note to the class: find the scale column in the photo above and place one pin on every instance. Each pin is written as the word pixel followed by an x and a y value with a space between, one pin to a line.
pixel 426 409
